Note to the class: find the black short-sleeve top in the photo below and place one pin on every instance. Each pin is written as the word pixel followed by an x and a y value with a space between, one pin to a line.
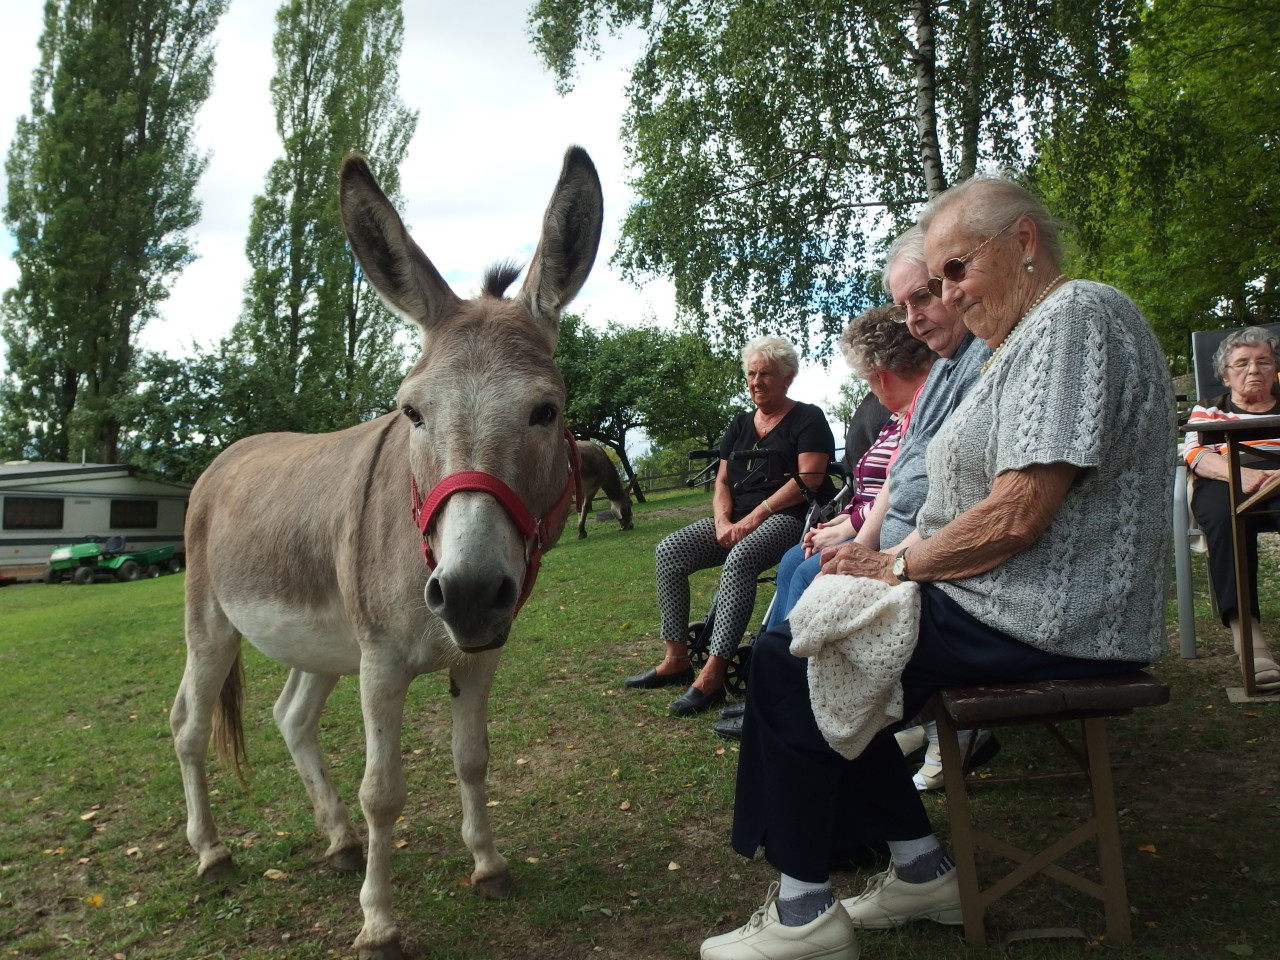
pixel 803 430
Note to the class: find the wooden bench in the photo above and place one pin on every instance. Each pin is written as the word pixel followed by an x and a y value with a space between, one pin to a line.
pixel 1087 701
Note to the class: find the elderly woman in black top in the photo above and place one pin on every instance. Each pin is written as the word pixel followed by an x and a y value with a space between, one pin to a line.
pixel 758 514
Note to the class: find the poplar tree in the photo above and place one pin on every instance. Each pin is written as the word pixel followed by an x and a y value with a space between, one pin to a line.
pixel 101 175
pixel 320 350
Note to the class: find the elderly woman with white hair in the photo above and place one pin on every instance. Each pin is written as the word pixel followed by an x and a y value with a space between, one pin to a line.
pixel 1246 362
pixel 1039 553
pixel 757 515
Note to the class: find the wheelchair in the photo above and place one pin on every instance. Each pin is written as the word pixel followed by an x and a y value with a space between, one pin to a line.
pixel 698 634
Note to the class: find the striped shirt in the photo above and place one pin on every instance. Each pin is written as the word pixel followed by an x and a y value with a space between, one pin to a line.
pixel 872 470
pixel 1221 409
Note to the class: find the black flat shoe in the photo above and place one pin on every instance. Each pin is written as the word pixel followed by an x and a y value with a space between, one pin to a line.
pixel 731 710
pixel 650 679
pixel 694 701
pixel 730 729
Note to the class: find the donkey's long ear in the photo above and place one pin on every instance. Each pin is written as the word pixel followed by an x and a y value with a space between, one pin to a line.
pixel 395 265
pixel 570 239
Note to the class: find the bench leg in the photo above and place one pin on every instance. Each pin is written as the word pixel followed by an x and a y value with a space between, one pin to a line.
pixel 1110 853
pixel 962 842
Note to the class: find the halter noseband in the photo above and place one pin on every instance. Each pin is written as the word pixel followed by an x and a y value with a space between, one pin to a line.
pixel 536 532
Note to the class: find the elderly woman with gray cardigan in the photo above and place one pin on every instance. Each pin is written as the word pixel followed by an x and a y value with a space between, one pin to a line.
pixel 1040 552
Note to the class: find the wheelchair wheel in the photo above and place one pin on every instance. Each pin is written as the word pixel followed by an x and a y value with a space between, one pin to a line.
pixel 698 644
pixel 736 673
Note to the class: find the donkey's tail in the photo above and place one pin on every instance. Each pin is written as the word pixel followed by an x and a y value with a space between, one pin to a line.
pixel 228 724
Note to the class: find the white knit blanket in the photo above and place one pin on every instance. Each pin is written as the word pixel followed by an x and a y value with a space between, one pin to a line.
pixel 858 635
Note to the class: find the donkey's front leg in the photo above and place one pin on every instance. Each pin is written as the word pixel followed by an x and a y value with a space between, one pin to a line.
pixel 469 688
pixel 383 686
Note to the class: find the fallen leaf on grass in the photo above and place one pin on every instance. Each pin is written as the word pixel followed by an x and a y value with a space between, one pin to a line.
pixel 401 844
pixel 133 852
pixel 464 881
pixel 633 894
pixel 673 865
pixel 521 761
pixel 1148 848
pixel 719 751
pixel 274 874
pixel 90 815
pixel 94 900
pixel 530 859
pixel 625 805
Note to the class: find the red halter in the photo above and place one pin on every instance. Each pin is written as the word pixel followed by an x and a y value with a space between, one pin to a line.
pixel 535 532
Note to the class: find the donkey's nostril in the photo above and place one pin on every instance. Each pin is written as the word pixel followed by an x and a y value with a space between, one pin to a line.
pixel 506 595
pixel 435 596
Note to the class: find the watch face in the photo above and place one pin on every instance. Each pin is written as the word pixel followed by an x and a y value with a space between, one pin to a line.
pixel 899 566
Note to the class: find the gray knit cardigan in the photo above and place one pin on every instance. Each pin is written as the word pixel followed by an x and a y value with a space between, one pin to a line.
pixel 1080 380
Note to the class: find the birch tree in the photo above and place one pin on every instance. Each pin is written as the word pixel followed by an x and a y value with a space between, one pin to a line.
pixel 776 145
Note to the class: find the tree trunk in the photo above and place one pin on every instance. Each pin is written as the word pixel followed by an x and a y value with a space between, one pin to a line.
pixel 926 98
pixel 971 94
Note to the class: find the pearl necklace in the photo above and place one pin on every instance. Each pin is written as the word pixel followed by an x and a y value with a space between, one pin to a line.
pixel 1034 303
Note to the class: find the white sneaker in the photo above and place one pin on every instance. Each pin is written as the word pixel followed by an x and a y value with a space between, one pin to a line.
pixel 890 902
pixel 912 742
pixel 929 776
pixel 830 936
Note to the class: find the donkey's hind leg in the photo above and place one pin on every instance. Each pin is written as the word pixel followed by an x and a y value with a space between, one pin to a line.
pixel 297 715
pixel 213 646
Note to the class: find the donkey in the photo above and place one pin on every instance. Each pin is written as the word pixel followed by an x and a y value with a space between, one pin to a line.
pixel 598 473
pixel 321 551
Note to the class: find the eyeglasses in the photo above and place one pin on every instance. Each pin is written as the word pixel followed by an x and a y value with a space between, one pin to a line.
pixel 918 298
pixel 954 269
pixel 1261 363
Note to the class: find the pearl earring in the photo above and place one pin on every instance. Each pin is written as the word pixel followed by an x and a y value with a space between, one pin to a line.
pixel 1030 266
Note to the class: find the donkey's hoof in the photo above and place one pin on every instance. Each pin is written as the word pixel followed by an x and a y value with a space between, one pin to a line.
pixel 220 870
pixel 386 951
pixel 495 887
pixel 346 860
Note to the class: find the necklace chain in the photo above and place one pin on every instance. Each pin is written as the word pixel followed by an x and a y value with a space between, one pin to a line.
pixel 1034 303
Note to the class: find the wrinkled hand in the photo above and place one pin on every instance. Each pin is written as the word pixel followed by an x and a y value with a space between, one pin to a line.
pixel 724 533
pixel 1251 481
pixel 855 560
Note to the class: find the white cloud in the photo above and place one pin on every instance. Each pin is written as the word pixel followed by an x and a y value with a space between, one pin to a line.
pixel 490 137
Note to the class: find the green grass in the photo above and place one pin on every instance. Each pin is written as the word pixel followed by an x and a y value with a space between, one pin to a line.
pixel 596 794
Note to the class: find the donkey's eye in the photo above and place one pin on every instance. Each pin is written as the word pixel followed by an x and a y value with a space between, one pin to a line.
pixel 414 416
pixel 543 414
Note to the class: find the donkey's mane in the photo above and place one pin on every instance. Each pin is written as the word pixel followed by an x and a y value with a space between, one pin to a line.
pixel 500 276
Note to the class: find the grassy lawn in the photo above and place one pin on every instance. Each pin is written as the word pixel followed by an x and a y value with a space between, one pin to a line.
pixel 615 817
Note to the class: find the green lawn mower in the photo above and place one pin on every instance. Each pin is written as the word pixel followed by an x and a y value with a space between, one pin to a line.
pixel 107 560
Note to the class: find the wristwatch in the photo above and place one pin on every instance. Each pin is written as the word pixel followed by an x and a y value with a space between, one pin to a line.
pixel 900 565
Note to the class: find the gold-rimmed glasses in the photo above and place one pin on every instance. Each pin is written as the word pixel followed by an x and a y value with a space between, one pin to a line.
pixel 954 269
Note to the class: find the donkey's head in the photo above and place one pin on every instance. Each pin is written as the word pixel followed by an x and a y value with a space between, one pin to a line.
pixel 484 399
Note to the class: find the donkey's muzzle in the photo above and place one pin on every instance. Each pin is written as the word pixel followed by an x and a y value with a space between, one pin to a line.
pixel 476 609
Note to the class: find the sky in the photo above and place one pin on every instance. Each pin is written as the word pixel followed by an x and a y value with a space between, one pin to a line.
pixel 491 135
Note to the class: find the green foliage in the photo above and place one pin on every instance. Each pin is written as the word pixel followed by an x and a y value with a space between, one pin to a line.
pixel 101 179
pixel 1177 196
pixel 777 144
pixel 622 379
pixel 852 391
pixel 321 349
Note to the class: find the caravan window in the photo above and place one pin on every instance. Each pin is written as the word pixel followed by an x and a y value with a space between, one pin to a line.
pixel 135 514
pixel 33 513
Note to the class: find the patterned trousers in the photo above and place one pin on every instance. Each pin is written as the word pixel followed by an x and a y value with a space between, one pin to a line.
pixel 695 548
